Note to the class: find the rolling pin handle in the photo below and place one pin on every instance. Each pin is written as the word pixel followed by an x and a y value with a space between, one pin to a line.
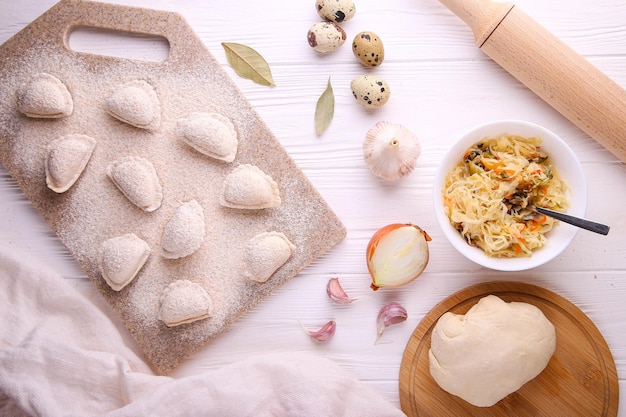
pixel 482 16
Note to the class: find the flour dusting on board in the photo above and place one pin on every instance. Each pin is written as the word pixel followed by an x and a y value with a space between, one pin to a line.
pixel 93 210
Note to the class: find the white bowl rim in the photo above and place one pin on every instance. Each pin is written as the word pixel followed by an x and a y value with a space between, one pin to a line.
pixel 565 162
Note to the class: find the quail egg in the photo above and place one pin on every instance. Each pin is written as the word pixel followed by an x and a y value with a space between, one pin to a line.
pixel 370 91
pixel 326 36
pixel 335 10
pixel 368 49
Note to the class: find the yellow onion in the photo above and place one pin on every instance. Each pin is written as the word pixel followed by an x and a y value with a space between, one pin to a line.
pixel 396 255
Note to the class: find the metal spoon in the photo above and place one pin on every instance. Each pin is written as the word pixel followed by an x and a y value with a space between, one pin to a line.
pixel 576 221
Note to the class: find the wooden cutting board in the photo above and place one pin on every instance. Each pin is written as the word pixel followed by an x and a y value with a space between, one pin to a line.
pixel 93 210
pixel 580 379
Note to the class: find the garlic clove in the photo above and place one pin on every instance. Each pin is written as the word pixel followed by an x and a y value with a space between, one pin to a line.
pixel 336 293
pixel 389 314
pixel 391 150
pixel 396 255
pixel 324 333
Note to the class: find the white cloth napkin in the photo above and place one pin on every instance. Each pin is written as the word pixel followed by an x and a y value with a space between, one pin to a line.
pixel 61 356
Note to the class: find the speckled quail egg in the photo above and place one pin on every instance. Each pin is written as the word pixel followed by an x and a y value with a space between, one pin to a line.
pixel 326 36
pixel 368 49
pixel 335 10
pixel 370 91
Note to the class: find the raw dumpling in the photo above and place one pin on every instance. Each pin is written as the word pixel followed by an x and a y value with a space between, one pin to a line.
pixel 121 258
pixel 137 179
pixel 247 187
pixel 45 96
pixel 184 233
pixel 491 351
pixel 183 302
pixel 265 253
pixel 210 134
pixel 137 104
pixel 66 159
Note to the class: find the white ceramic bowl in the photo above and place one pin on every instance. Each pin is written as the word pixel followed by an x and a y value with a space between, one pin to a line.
pixel 565 162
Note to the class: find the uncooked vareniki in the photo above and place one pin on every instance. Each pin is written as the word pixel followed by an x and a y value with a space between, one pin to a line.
pixel 137 179
pixel 137 104
pixel 66 159
pixel 184 232
pixel 211 134
pixel 45 96
pixel 121 258
pixel 184 302
pixel 247 187
pixel 265 253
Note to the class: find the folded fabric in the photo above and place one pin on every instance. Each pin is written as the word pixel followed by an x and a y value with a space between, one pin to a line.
pixel 61 356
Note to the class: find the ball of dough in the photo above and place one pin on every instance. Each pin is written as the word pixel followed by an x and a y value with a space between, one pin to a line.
pixel 491 351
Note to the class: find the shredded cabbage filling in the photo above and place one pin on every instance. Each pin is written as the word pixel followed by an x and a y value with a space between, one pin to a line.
pixel 490 195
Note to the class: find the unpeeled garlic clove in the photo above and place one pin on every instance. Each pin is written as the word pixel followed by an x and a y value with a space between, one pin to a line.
pixel 324 333
pixel 396 255
pixel 336 293
pixel 389 314
pixel 391 150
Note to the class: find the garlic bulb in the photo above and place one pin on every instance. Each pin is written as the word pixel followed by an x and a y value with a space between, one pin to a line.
pixel 391 150
pixel 396 255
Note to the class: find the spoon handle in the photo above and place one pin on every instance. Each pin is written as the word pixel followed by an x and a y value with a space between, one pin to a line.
pixel 576 221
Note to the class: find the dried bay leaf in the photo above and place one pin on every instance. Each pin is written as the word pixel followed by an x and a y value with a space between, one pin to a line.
pixel 325 109
pixel 248 63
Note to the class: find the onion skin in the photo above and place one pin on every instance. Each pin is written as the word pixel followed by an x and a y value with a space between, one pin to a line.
pixel 377 238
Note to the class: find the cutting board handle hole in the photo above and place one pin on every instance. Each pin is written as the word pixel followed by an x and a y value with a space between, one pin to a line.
pixel 118 44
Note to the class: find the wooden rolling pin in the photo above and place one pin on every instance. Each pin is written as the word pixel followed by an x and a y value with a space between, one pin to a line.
pixel 548 67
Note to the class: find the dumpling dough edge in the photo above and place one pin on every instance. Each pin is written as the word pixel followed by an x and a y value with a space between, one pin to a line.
pixel 183 302
pixel 25 93
pixel 262 261
pixel 260 186
pixel 140 249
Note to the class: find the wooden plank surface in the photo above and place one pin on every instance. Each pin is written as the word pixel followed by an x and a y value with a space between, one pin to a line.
pixel 442 85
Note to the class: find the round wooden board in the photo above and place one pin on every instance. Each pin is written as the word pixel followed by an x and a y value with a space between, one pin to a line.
pixel 580 379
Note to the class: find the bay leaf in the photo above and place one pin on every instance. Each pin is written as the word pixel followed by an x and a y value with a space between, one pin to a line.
pixel 248 63
pixel 325 109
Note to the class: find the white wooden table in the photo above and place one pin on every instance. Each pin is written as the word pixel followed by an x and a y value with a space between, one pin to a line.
pixel 442 85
